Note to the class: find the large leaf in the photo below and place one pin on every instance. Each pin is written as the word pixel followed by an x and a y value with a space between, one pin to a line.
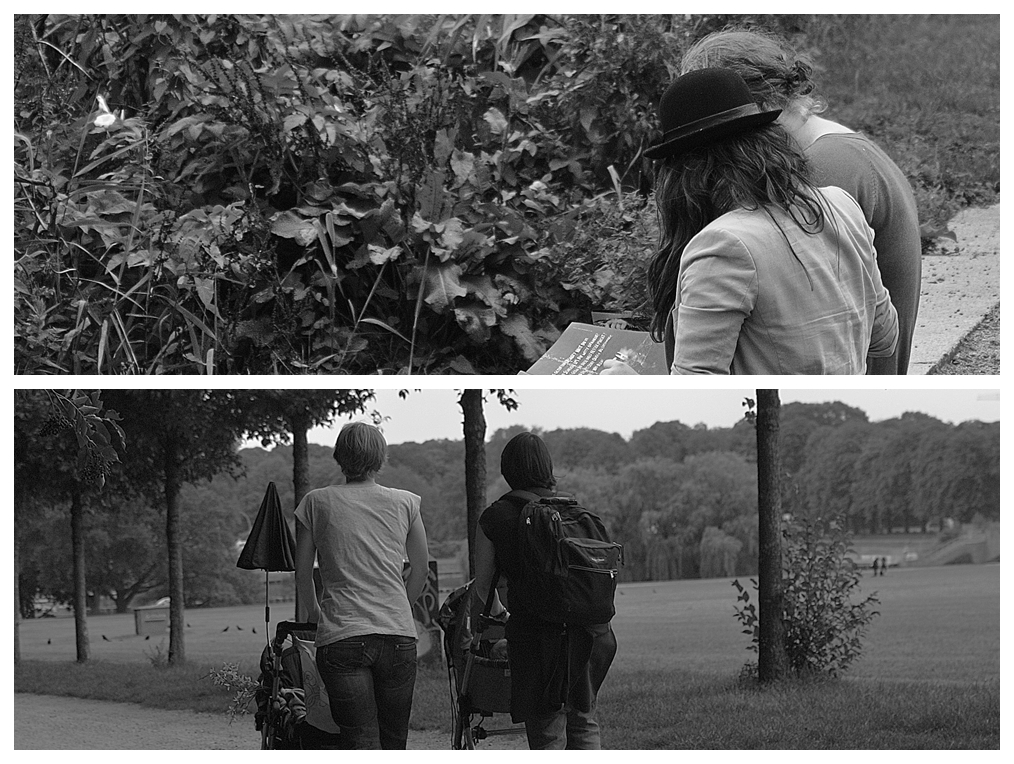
pixel 443 145
pixel 462 164
pixel 441 285
pixel 482 288
pixel 430 195
pixel 206 291
pixel 289 225
pixel 475 318
pixel 380 255
pixel 453 233
pixel 496 120
pixel 530 344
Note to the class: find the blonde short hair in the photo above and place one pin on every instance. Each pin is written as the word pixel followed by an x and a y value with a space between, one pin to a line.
pixel 360 450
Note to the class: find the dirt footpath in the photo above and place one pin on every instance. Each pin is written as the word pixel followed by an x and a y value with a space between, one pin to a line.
pixel 48 722
pixel 51 722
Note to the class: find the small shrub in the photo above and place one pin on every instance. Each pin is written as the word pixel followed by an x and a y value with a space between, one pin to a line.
pixel 158 656
pixel 824 628
pixel 242 685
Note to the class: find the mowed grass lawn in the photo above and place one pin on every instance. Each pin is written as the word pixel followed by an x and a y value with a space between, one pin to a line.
pixel 929 676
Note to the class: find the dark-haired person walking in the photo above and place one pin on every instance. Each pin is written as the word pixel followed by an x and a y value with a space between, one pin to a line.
pixel 360 533
pixel 758 270
pixel 556 669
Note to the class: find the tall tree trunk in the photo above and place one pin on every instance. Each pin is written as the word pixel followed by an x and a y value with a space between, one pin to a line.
pixel 80 584
pixel 475 466
pixel 299 424
pixel 177 650
pixel 17 601
pixel 772 663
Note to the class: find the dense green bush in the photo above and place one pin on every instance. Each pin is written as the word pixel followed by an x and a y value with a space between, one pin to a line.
pixel 296 194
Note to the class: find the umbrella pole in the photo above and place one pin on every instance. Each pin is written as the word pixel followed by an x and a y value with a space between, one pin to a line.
pixel 267 607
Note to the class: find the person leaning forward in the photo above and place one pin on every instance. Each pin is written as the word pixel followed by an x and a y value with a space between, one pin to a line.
pixel 837 156
pixel 556 670
pixel 758 270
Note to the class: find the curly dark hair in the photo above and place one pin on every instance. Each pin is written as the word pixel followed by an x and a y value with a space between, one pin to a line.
pixel 777 76
pixel 754 170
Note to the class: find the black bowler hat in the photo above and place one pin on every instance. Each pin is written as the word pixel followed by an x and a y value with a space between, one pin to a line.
pixel 703 107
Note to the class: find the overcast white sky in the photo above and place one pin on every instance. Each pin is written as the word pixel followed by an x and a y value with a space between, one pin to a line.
pixel 435 414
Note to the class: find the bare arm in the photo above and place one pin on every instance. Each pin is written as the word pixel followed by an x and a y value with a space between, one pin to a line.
pixel 306 553
pixel 418 560
pixel 485 567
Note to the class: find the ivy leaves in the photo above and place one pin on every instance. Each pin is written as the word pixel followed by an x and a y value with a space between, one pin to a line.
pixel 326 193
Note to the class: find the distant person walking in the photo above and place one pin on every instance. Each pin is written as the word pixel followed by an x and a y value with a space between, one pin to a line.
pixel 360 533
pixel 883 565
pixel 838 156
pixel 876 566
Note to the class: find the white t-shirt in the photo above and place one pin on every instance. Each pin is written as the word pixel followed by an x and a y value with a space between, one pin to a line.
pixel 359 530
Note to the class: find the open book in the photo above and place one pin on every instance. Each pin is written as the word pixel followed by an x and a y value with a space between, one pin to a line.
pixel 582 348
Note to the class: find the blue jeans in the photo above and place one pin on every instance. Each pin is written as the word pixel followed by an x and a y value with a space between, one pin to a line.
pixel 370 680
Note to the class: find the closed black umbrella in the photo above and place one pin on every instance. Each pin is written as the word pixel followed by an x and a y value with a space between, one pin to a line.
pixel 269 547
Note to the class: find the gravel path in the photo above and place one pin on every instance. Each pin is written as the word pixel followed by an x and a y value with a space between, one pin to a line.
pixel 48 722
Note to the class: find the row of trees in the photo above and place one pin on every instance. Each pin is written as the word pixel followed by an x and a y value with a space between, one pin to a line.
pixel 681 499
pixel 149 444
pixel 168 439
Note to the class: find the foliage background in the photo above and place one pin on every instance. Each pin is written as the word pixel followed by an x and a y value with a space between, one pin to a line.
pixel 397 194
pixel 682 500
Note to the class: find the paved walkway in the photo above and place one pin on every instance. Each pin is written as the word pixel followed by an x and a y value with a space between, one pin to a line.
pixel 49 722
pixel 959 287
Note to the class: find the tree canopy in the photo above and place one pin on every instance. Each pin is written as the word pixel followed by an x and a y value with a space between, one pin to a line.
pixel 683 505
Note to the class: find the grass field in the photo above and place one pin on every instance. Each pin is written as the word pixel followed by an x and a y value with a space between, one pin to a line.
pixel 927 88
pixel 929 676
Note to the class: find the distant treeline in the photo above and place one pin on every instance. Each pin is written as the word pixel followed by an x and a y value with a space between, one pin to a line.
pixel 683 499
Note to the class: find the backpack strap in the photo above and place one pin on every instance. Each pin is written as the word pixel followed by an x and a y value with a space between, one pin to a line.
pixel 492 590
pixel 526 496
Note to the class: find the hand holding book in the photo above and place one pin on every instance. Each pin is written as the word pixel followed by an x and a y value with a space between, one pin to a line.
pixel 587 349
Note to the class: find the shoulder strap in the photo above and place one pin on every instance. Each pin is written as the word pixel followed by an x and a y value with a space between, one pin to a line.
pixel 527 496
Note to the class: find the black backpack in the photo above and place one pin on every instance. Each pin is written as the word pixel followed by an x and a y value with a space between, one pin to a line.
pixel 568 562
